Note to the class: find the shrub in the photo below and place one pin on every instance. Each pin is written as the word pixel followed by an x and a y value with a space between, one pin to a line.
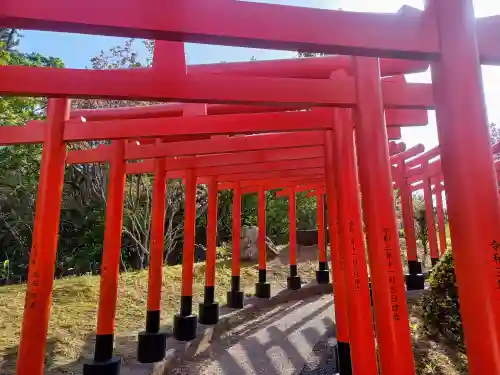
pixel 441 307
pixel 223 253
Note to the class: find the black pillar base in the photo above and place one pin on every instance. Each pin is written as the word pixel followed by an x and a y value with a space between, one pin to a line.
pixel 415 282
pixel 209 313
pixel 263 290
pixel 185 327
pixel 293 282
pixel 235 299
pixel 344 366
pixel 414 267
pixel 434 261
pixel 322 276
pixel 109 367
pixel 151 347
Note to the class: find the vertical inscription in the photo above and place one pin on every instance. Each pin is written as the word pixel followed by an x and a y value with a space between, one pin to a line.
pixel 390 269
pixel 357 281
pixel 495 246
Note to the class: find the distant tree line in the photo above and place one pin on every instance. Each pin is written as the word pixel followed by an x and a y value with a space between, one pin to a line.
pixel 85 186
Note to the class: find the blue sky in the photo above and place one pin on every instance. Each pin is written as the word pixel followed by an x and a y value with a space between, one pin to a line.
pixel 77 50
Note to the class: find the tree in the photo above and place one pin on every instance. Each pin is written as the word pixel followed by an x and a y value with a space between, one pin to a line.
pixel 494 137
pixel 494 133
pixel 19 110
pixel 118 57
pixel 420 221
pixel 311 54
pixel 85 188
pixel 19 165
pixel 137 211
pixel 9 39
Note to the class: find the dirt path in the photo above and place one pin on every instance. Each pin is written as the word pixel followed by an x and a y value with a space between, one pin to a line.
pixel 304 254
pixel 282 341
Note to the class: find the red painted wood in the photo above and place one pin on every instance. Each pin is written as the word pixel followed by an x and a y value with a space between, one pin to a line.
pixel 311 67
pixel 432 153
pixel 411 152
pixel 471 183
pixel 43 254
pixel 394 117
pixel 269 184
pixel 212 146
pixel 233 23
pixel 144 85
pixel 283 165
pixel 386 271
pixel 32 132
pixel 249 157
pixel 207 125
pixel 271 174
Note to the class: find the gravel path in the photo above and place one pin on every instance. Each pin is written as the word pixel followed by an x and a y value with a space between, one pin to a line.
pixel 294 338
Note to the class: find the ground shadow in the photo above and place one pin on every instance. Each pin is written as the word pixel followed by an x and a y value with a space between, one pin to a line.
pixel 264 346
pixel 432 356
pixel 8 365
pixel 126 346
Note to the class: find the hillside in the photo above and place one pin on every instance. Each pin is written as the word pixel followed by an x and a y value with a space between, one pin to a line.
pixel 74 310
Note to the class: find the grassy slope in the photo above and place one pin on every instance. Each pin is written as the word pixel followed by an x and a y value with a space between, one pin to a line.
pixel 74 309
pixel 73 319
pixel 432 355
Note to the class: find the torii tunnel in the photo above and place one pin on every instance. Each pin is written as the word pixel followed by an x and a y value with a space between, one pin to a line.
pixel 310 124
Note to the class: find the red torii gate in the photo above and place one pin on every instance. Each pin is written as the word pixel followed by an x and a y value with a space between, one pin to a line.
pixel 322 275
pixel 445 33
pixel 151 350
pixel 425 172
pixel 120 145
pixel 264 290
pixel 107 329
pixel 73 157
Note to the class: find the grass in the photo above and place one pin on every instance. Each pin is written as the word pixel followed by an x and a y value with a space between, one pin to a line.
pixel 432 355
pixel 74 311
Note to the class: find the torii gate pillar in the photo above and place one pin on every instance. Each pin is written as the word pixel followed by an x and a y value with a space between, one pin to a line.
pixel 472 190
pixel 209 309
pixel 44 242
pixel 235 297
pixel 185 322
pixel 386 270
pixel 152 343
pixel 262 287
pixel 293 281
pixel 104 360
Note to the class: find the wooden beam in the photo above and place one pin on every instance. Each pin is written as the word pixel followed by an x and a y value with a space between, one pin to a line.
pixel 234 23
pixel 205 147
pixel 197 125
pixel 142 84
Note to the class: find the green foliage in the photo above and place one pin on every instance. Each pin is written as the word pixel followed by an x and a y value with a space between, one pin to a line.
pixel 494 133
pixel 19 110
pixel 441 307
pixel 276 217
pixel 225 216
pixel 419 213
pixel 5 269
pixel 223 253
pixel 9 39
pixel 306 211
pixel 83 207
pixel 277 214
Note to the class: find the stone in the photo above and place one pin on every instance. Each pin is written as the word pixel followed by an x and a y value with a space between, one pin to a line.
pixel 307 237
pixel 249 243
